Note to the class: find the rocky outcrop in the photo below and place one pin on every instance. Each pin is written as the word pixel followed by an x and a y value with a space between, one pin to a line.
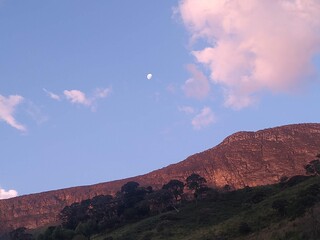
pixel 242 159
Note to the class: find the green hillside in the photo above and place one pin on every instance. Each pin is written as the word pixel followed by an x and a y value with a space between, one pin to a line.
pixel 287 210
pixel 242 214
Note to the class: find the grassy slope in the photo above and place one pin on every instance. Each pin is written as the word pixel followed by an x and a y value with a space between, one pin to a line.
pixel 220 219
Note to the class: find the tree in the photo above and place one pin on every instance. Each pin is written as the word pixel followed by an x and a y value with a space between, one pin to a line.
pixel 130 201
pixel 195 183
pixel 60 233
pixel 131 194
pixel 175 187
pixel 102 206
pixel 283 179
pixel 87 228
pixel 227 188
pixel 160 200
pixel 20 234
pixel 129 187
pixel 313 167
pixel 72 215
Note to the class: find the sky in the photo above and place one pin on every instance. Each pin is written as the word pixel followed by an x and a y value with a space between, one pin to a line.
pixel 77 107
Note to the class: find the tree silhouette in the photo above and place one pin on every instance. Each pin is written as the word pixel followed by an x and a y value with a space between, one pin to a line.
pixel 160 200
pixel 129 187
pixel 20 234
pixel 131 204
pixel 131 194
pixel 175 187
pixel 196 183
pixel 102 207
pixel 72 215
pixel 313 167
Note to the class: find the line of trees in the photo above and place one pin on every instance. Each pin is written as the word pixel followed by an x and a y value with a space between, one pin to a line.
pixel 132 203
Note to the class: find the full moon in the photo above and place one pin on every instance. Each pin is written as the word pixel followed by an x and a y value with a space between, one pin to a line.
pixel 149 76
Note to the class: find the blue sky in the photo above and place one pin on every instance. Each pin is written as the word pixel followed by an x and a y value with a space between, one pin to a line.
pixel 76 107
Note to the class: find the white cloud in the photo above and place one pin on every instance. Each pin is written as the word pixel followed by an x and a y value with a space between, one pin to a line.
pixel 253 45
pixel 186 109
pixel 198 85
pixel 79 97
pixel 102 93
pixel 7 194
pixel 203 119
pixel 52 95
pixel 7 109
pixel 76 96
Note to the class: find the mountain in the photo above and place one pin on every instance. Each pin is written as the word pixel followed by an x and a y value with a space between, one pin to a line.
pixel 242 159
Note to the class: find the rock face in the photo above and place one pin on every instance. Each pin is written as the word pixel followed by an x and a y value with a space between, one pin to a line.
pixel 242 159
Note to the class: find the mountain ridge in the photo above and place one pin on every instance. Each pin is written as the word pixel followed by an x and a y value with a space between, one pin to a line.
pixel 245 158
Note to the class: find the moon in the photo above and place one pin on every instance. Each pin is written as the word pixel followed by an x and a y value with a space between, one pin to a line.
pixel 149 76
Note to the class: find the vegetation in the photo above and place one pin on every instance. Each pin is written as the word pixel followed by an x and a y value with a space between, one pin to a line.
pixel 283 213
pixel 313 167
pixel 287 210
pixel 197 184
pixel 175 187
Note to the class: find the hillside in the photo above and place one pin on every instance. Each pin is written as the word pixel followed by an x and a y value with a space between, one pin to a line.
pixel 235 215
pixel 242 159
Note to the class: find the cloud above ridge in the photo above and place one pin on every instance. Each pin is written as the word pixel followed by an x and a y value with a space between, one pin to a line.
pixel 7 108
pixel 203 119
pixel 251 46
pixel 198 85
pixel 7 194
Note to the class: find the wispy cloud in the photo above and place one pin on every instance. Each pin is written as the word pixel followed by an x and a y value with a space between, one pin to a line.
pixel 52 95
pixel 7 109
pixel 198 85
pixel 7 194
pixel 101 93
pixel 35 112
pixel 186 109
pixel 76 96
pixel 203 119
pixel 254 45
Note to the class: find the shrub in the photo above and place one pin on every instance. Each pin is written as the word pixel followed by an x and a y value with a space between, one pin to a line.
pixel 258 197
pixel 79 237
pixel 163 225
pixel 295 180
pixel 213 194
pixel 244 228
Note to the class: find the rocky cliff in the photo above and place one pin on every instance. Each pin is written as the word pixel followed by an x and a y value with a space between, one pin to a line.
pixel 242 159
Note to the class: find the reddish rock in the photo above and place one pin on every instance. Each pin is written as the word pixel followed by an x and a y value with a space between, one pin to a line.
pixel 242 159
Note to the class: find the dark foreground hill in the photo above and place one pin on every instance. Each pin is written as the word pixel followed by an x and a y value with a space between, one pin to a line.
pixel 285 211
pixel 242 159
